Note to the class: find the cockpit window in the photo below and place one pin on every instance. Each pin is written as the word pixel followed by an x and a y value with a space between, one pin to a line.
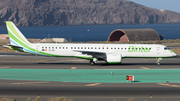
pixel 166 48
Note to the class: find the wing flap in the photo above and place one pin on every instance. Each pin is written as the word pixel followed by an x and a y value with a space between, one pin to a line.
pixel 89 52
pixel 93 53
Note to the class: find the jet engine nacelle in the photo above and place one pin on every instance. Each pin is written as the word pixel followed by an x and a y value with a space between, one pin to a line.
pixel 113 58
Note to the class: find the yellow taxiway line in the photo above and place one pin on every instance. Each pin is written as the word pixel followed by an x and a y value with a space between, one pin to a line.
pixel 144 68
pixel 73 68
pixel 168 85
pixel 94 84
pixel 4 67
pixel 29 82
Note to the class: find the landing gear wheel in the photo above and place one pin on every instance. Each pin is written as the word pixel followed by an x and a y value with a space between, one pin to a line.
pixel 92 62
pixel 158 61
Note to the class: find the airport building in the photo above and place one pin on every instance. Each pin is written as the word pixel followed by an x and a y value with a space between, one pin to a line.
pixel 4 36
pixel 126 35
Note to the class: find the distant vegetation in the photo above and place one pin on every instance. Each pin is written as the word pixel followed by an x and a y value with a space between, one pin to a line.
pixel 39 99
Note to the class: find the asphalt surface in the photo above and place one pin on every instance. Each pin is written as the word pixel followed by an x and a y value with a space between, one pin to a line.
pixel 22 89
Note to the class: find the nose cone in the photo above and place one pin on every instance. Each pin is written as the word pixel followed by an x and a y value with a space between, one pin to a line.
pixel 175 55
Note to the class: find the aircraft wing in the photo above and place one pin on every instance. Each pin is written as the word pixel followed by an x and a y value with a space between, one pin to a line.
pixel 92 53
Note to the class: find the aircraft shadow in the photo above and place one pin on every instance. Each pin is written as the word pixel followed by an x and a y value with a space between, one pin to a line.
pixel 122 64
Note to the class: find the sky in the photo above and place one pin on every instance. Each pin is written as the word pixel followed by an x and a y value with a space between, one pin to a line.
pixel 172 5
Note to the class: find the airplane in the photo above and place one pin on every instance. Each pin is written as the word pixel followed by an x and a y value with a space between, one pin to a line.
pixel 110 53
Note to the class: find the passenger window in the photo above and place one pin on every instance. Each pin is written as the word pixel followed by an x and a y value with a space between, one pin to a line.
pixel 81 47
pixel 59 47
pixel 74 47
pixel 42 47
pixel 84 47
pixel 66 47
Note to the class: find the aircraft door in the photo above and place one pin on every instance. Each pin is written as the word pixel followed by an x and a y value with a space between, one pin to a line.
pixel 107 49
pixel 37 48
pixel 158 50
pixel 103 49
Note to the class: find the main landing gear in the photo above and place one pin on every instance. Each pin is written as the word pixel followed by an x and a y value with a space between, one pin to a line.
pixel 92 62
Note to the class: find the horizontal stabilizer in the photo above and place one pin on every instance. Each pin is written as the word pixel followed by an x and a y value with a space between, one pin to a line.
pixel 13 46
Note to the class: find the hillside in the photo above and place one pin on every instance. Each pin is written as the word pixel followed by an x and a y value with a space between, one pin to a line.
pixel 81 12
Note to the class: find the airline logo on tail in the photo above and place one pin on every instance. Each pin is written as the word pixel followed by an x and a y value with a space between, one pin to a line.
pixel 16 37
pixel 19 42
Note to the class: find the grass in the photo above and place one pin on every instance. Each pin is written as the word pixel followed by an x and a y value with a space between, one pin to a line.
pixel 39 99
pixel 63 99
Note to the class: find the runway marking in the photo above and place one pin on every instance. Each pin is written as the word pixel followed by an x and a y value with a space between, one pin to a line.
pixel 144 68
pixel 29 82
pixel 94 84
pixel 168 85
pixel 73 68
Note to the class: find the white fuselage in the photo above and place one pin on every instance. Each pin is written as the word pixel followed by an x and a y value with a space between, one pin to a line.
pixel 126 50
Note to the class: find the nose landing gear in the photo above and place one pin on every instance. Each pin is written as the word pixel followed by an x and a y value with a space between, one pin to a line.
pixel 158 61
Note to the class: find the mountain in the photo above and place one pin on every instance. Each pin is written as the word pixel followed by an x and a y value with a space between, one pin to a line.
pixel 81 12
